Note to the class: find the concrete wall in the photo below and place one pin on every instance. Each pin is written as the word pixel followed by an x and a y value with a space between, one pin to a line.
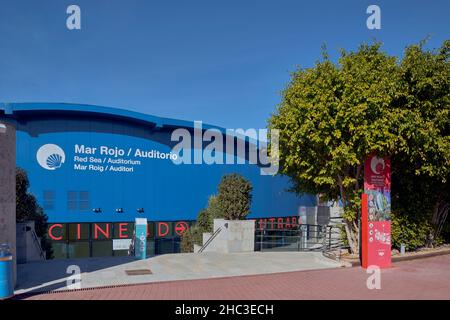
pixel 206 236
pixel 241 236
pixel 235 236
pixel 219 244
pixel 8 188
pixel 28 247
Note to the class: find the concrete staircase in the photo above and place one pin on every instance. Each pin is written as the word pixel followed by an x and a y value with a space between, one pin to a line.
pixel 28 243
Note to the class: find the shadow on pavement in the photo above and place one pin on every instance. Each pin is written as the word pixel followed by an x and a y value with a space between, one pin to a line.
pixel 38 277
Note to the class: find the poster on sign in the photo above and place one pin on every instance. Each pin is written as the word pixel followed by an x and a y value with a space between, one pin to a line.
pixel 376 211
pixel 140 240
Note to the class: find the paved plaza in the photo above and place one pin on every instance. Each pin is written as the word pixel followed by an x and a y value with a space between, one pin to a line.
pixel 427 278
pixel 98 272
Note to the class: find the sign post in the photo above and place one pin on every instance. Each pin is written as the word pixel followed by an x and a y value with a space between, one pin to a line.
pixel 303 221
pixel 375 215
pixel 140 240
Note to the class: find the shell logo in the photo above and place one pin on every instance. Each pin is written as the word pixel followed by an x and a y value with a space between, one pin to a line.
pixel 50 156
pixel 377 165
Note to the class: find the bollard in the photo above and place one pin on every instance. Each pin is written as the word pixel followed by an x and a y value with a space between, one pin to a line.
pixel 6 272
pixel 402 248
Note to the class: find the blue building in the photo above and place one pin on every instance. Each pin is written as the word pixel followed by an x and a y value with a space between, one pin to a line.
pixel 95 169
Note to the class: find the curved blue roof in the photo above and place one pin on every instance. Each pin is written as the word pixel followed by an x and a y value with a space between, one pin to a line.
pixel 16 110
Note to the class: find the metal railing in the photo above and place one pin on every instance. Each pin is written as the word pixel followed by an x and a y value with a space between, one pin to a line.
pixel 37 242
pixel 302 237
pixel 285 237
pixel 213 236
pixel 334 244
pixel 333 239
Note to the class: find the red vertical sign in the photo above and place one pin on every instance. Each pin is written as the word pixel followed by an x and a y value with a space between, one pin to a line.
pixel 376 210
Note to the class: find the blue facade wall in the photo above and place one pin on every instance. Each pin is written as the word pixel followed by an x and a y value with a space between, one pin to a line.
pixel 165 191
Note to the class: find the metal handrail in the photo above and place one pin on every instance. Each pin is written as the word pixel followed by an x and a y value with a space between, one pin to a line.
pixel 288 237
pixel 38 243
pixel 331 244
pixel 210 239
pixel 299 237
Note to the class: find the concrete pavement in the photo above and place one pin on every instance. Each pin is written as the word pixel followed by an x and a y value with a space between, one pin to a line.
pixel 417 279
pixel 98 272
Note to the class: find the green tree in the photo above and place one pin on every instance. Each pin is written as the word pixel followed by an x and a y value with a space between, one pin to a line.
pixel 232 202
pixel 27 209
pixel 204 224
pixel 421 167
pixel 234 197
pixel 333 116
pixel 214 209
pixel 187 240
pixel 204 220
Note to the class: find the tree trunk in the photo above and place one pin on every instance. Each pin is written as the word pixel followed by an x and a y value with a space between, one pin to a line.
pixel 438 219
pixel 351 228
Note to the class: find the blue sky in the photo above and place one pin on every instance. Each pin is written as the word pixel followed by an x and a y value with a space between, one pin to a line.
pixel 222 62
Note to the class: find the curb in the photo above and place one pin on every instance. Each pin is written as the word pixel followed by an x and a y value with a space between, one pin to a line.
pixel 357 263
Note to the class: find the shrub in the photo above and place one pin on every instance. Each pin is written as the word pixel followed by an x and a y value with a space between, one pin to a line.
pixel 204 220
pixel 187 242
pixel 446 231
pixel 192 236
pixel 234 197
pixel 214 209
pixel 410 230
pixel 232 203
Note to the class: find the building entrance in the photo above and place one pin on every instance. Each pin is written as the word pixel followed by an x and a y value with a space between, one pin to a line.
pixel 84 240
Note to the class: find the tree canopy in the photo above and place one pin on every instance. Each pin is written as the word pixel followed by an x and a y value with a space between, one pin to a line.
pixel 234 196
pixel 333 115
pixel 233 201
pixel 28 209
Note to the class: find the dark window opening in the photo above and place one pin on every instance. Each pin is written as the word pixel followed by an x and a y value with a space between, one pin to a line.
pixel 78 201
pixel 49 200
